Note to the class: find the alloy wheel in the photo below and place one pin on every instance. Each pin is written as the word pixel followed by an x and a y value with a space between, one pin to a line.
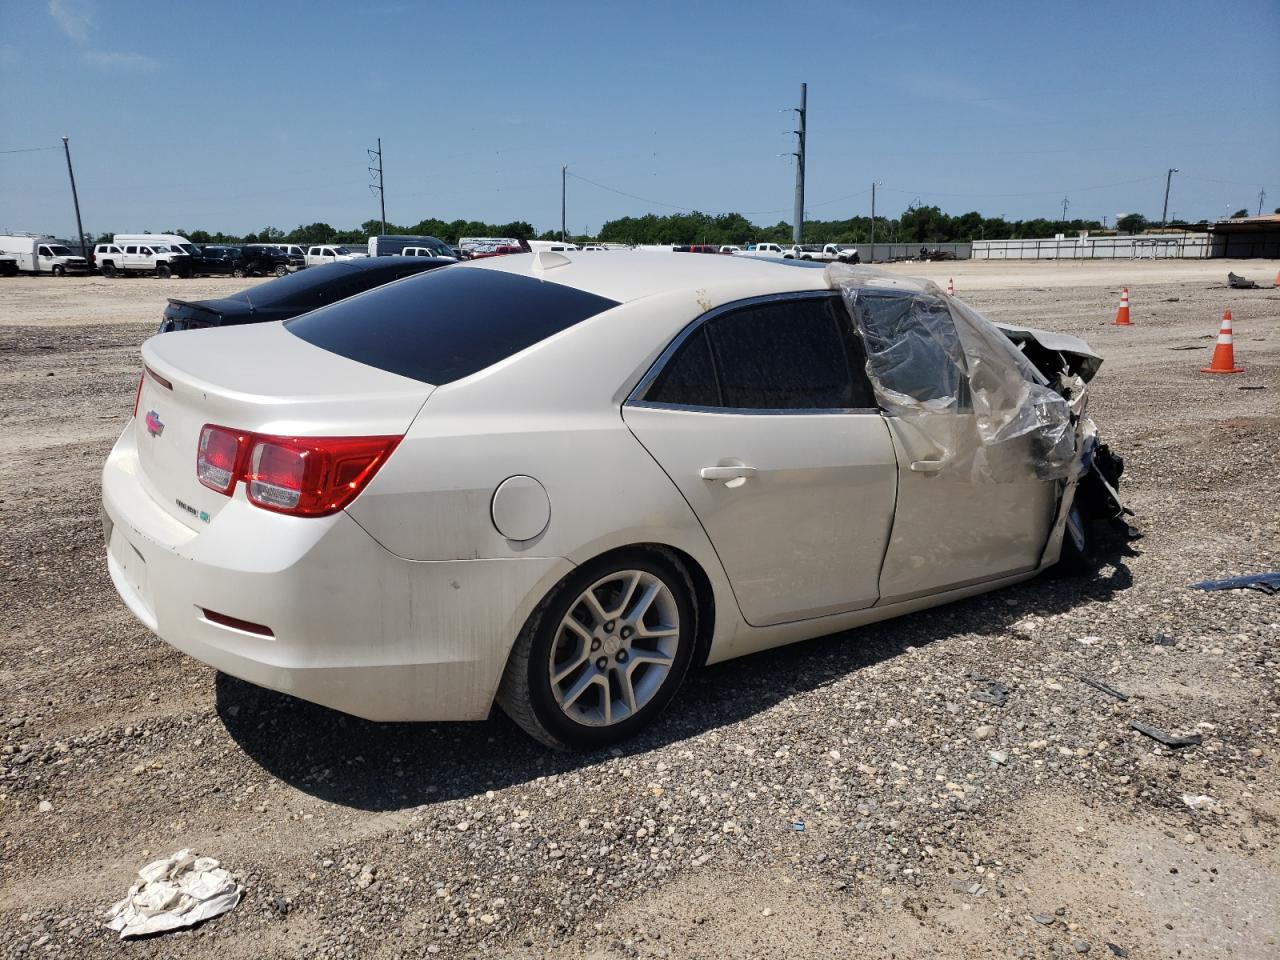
pixel 614 648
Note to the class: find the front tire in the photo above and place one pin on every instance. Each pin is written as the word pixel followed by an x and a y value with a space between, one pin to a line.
pixel 238 273
pixel 163 271
pixel 604 653
pixel 59 270
pixel 109 270
pixel 281 270
pixel 1079 556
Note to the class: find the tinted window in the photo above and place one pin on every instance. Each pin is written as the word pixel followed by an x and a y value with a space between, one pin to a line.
pixel 689 378
pixel 785 355
pixel 446 324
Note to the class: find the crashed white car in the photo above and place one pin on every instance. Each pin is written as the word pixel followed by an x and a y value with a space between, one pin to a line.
pixel 558 481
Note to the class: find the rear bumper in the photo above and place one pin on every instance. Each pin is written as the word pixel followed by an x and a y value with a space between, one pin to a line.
pixel 352 626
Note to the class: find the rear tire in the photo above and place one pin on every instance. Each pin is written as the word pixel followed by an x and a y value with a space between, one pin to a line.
pixel 163 271
pixel 109 270
pixel 646 649
pixel 238 273
pixel 281 270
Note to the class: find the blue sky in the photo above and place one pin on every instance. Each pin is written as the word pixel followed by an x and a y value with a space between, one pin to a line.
pixel 234 116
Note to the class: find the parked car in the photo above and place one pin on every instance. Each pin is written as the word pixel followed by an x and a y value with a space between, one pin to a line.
pixel 158 259
pixel 174 241
pixel 764 250
pixel 843 252
pixel 322 253
pixel 266 258
pixel 294 294
pixel 297 255
pixel 478 248
pixel 386 245
pixel 32 253
pixel 806 251
pixel 419 499
pixel 213 259
pixel 730 248
pixel 8 266
pixel 552 246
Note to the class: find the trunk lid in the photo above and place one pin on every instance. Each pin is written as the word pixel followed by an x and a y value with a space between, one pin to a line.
pixel 259 378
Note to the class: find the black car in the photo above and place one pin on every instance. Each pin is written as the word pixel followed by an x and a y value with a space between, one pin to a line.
pixel 296 293
pixel 261 259
pixel 214 259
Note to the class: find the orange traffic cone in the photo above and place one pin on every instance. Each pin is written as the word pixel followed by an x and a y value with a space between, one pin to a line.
pixel 1278 278
pixel 1224 357
pixel 1122 315
pixel 951 287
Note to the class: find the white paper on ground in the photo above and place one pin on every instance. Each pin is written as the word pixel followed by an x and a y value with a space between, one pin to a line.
pixel 178 891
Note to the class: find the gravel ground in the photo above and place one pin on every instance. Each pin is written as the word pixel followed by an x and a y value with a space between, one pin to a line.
pixel 844 797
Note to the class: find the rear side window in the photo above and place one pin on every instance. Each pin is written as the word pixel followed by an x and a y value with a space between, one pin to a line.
pixel 786 355
pixel 447 324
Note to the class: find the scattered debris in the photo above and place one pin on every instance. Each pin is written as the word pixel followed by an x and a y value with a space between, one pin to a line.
pixel 1188 346
pixel 1163 640
pixel 992 691
pixel 1099 685
pixel 796 825
pixel 1081 946
pixel 1268 583
pixel 1202 802
pixel 1240 283
pixel 1048 919
pixel 176 892
pixel 1118 950
pixel 1253 386
pixel 1169 740
pixel 999 756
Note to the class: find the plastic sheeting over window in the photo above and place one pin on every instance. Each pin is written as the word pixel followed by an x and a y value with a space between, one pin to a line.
pixel 941 365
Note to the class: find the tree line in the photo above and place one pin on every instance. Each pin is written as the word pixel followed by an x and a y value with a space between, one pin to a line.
pixel 917 224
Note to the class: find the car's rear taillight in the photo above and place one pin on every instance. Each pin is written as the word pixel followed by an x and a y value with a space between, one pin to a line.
pixel 302 476
pixel 220 457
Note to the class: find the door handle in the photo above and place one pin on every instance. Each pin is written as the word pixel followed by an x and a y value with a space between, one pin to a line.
pixel 926 466
pixel 739 472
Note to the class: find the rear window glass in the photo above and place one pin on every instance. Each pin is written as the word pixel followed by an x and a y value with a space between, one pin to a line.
pixel 445 325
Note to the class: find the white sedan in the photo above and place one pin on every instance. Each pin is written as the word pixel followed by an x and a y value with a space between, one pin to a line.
pixel 558 481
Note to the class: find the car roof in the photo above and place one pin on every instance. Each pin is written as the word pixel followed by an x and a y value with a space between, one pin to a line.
pixel 627 275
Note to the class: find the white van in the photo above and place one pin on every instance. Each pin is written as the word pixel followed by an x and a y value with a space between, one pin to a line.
pixel 37 254
pixel 176 242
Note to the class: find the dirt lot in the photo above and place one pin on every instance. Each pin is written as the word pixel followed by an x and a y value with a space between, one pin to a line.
pixel 847 797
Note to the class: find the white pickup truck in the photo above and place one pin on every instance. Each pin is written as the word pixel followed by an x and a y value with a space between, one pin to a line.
pixel 806 251
pixel 36 254
pixel 161 259
pixel 323 253
pixel 844 252
pixel 763 250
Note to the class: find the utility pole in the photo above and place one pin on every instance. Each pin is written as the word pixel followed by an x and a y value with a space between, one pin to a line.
pixel 1262 195
pixel 871 258
pixel 84 252
pixel 1065 203
pixel 378 187
pixel 797 229
pixel 564 173
pixel 1164 216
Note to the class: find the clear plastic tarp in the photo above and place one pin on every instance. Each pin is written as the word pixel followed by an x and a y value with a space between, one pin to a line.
pixel 942 366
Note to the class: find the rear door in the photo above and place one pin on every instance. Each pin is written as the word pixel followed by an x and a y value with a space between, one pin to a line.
pixel 761 415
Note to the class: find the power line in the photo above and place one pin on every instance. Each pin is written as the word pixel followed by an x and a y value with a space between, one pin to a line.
pixel 30 149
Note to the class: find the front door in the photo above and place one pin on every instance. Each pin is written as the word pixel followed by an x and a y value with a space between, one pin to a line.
pixel 762 416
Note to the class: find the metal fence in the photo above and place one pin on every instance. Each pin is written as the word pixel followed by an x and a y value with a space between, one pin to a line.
pixel 1144 247
pixel 910 251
